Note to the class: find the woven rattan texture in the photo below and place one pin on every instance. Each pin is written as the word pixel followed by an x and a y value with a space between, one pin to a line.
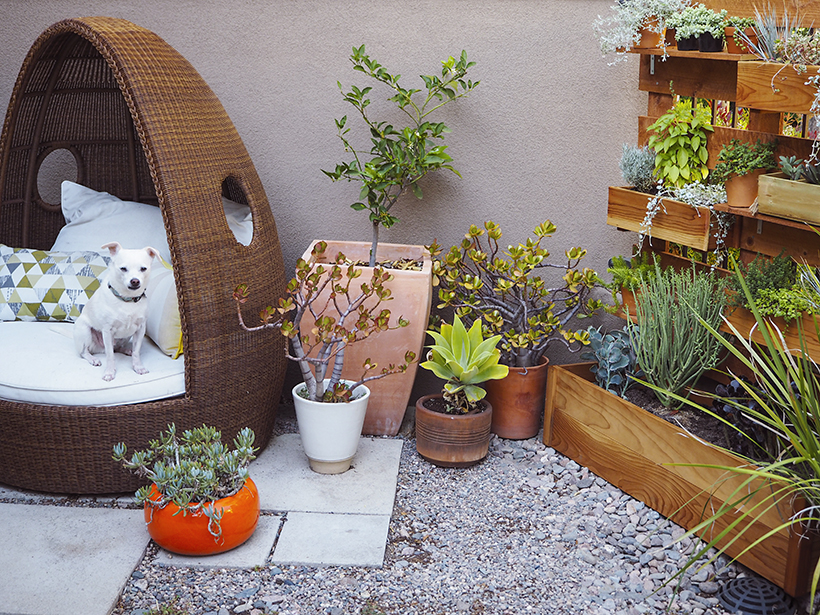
pixel 143 125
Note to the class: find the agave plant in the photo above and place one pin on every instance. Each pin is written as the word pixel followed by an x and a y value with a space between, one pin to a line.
pixel 464 359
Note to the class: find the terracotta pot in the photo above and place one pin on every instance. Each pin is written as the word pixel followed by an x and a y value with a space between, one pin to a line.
pixel 669 38
pixel 731 44
pixel 741 190
pixel 707 43
pixel 412 293
pixel 188 534
pixel 518 401
pixel 452 440
pixel 649 38
pixel 330 432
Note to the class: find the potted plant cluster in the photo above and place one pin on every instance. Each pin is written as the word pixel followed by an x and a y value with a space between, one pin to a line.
pixel 698 28
pixel 635 24
pixel 201 499
pixel 327 310
pixel 739 165
pixel 504 290
pixel 453 427
pixel 393 164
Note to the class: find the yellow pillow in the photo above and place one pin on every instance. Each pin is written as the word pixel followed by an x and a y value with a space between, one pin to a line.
pixel 163 311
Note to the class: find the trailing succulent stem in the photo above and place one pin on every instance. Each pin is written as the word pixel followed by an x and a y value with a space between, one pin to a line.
pixel 673 348
pixel 192 471
pixel 339 312
pixel 399 158
pixel 501 288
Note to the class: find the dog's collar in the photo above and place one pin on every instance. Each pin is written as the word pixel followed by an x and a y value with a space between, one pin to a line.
pixel 128 299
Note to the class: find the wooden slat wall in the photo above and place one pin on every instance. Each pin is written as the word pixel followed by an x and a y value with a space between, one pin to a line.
pixel 808 10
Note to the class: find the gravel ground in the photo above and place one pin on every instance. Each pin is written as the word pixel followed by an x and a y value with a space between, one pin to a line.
pixel 527 530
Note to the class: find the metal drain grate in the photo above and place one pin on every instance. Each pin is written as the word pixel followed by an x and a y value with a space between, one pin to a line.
pixel 755 596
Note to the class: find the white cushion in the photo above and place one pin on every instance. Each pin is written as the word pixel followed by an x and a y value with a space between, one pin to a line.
pixel 39 365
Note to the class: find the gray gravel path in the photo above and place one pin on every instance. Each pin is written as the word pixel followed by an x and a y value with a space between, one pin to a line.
pixel 526 531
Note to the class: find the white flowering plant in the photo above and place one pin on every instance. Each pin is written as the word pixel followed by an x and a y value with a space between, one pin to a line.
pixel 621 30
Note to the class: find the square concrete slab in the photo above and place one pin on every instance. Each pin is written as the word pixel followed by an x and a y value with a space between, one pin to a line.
pixel 320 539
pixel 254 552
pixel 286 482
pixel 67 560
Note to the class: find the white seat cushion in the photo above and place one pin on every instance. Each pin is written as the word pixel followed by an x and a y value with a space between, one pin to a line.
pixel 38 364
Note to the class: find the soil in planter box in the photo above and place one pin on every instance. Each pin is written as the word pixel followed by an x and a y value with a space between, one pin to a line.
pixel 437 404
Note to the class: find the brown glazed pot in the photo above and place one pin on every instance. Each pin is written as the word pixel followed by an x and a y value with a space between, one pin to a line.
pixel 452 440
pixel 518 401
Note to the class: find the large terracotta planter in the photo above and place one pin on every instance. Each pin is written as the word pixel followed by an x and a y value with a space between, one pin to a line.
pixel 741 190
pixel 518 401
pixel 412 293
pixel 452 440
pixel 330 432
pixel 642 454
pixel 188 534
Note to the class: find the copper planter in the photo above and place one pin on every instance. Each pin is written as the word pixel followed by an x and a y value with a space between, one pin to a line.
pixel 452 440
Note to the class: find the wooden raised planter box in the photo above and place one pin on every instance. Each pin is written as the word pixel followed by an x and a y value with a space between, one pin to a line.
pixel 680 223
pixel 630 448
pixel 744 321
pixel 770 86
pixel 785 198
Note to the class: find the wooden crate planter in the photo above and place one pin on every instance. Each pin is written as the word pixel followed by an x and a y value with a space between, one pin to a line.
pixel 680 223
pixel 770 86
pixel 785 198
pixel 744 321
pixel 630 448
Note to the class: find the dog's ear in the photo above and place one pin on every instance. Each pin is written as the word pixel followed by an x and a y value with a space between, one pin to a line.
pixel 152 252
pixel 112 247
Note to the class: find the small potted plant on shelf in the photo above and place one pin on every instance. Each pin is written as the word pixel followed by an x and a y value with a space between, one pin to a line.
pixel 635 24
pixel 734 30
pixel 504 290
pixel 698 28
pixel 453 427
pixel 201 499
pixel 393 164
pixel 326 311
pixel 740 164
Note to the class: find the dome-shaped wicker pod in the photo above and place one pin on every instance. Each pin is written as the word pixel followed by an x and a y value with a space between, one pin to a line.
pixel 142 125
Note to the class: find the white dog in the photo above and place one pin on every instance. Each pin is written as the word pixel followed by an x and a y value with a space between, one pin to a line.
pixel 116 312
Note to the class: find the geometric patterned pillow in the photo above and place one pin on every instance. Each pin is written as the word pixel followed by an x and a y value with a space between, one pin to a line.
pixel 40 285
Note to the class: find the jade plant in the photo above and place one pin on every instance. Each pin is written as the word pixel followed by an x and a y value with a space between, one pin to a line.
pixel 739 158
pixel 678 138
pixel 464 360
pixel 503 289
pixel 191 471
pixel 399 157
pixel 326 310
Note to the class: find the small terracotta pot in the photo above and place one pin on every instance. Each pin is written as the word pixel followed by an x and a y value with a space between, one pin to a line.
pixel 189 535
pixel 732 46
pixel 649 38
pixel 518 401
pixel 452 440
pixel 741 190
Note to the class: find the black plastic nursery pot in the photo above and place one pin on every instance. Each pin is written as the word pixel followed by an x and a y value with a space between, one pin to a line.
pixel 688 44
pixel 707 43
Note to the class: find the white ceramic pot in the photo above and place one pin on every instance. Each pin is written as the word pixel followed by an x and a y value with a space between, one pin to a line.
pixel 330 431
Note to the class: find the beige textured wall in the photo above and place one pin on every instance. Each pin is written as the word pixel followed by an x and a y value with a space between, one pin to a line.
pixel 540 138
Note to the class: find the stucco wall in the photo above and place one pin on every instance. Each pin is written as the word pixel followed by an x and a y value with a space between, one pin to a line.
pixel 540 138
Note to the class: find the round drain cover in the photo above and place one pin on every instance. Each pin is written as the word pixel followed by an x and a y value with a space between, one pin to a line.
pixel 755 596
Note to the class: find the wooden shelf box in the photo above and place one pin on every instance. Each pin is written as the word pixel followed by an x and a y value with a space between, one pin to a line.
pixel 770 86
pixel 785 198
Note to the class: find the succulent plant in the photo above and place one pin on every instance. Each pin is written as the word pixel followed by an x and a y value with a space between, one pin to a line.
pixel 464 359
pixel 192 471
pixel 616 365
pixel 792 166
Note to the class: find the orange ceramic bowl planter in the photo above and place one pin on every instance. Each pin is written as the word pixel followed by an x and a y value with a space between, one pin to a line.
pixel 188 534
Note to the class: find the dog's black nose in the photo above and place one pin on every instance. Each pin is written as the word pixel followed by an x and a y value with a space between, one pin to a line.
pixel 134 284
